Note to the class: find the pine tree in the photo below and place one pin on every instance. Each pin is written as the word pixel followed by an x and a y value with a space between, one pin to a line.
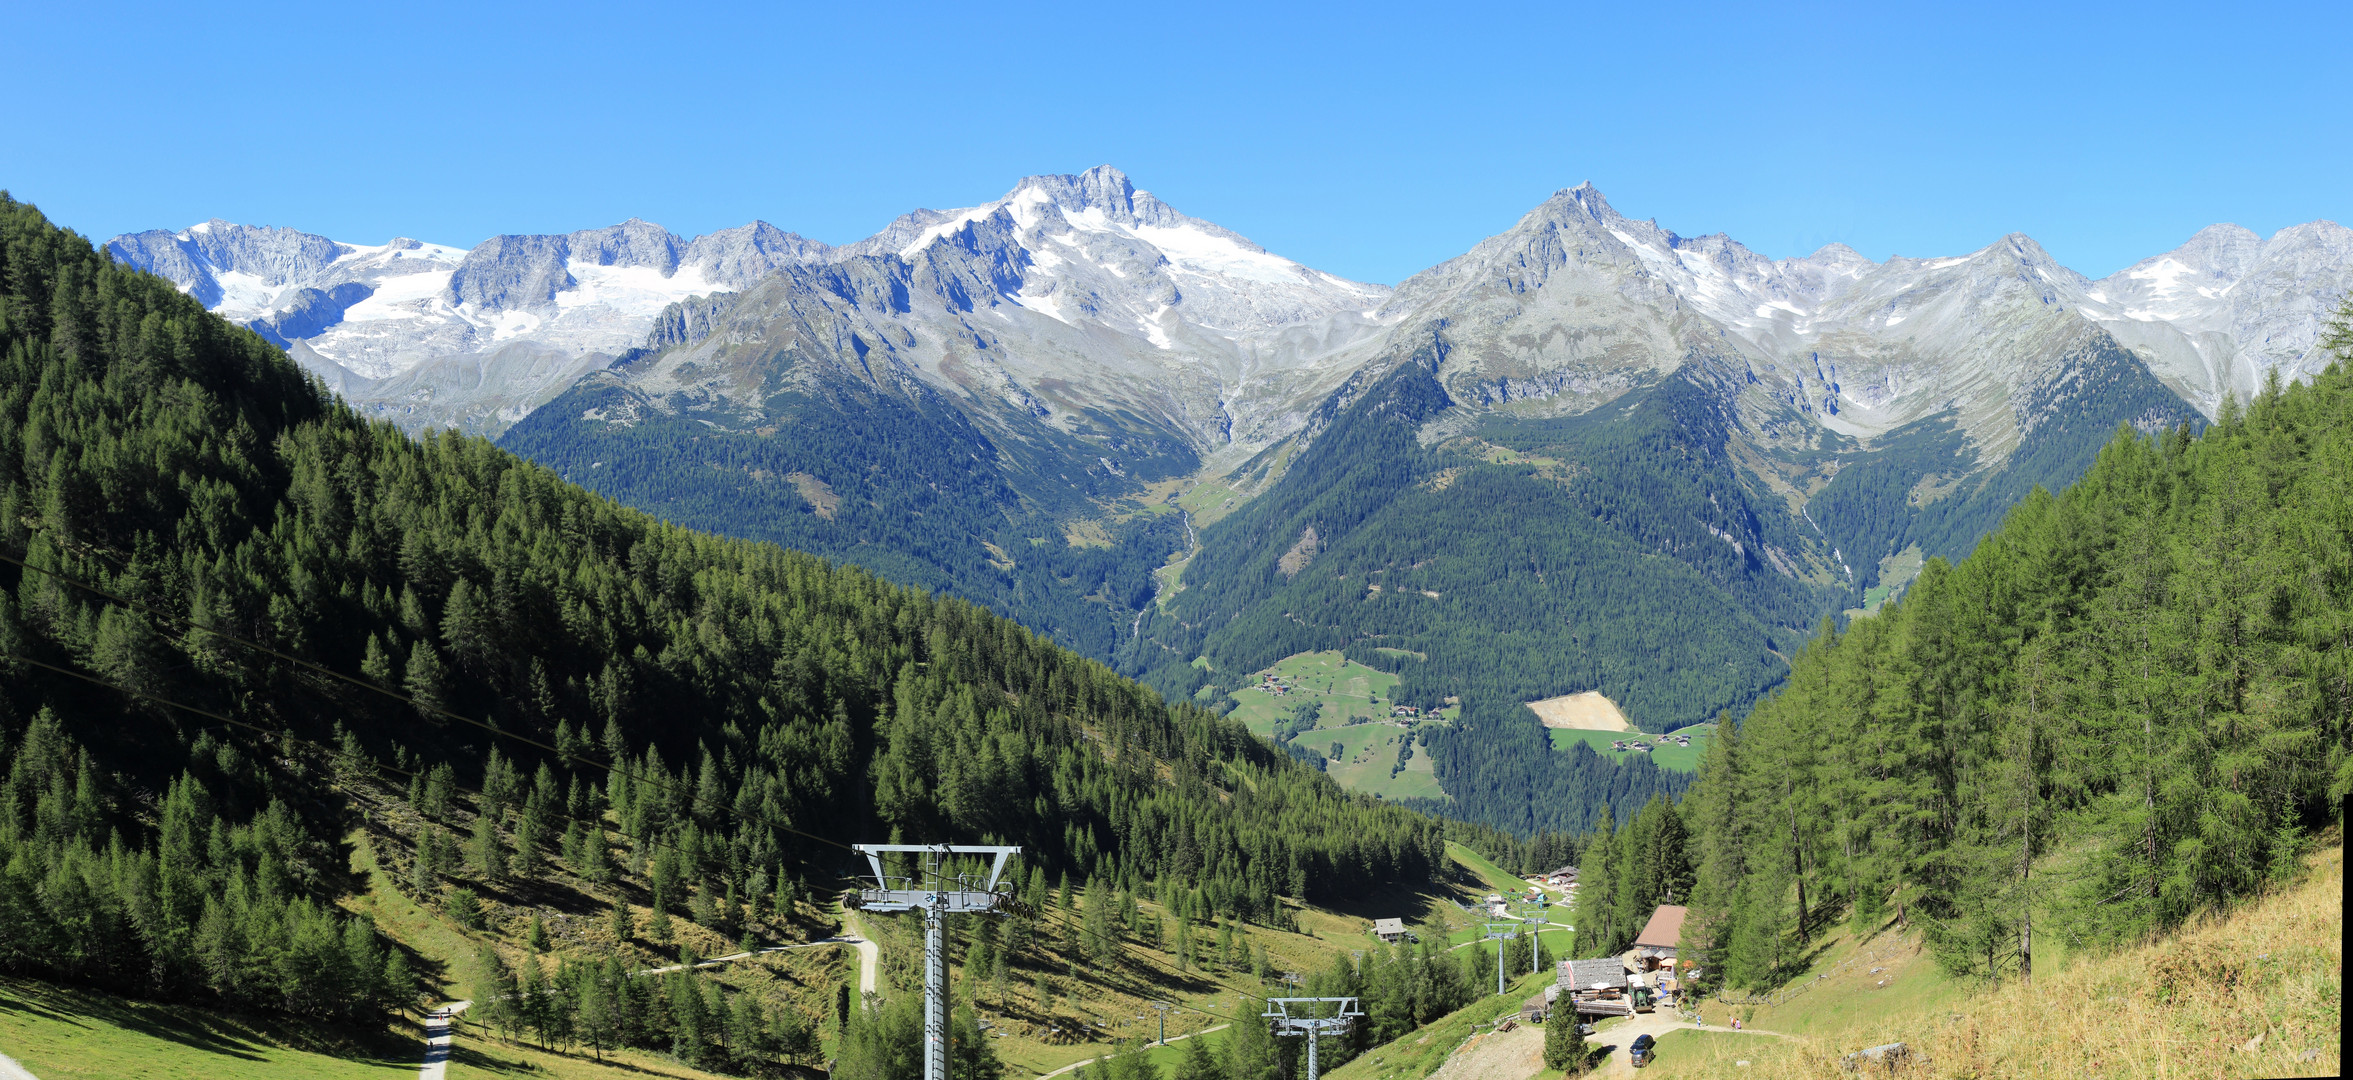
pixel 487 854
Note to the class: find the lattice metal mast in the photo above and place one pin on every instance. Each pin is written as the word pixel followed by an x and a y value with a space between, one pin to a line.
pixel 945 895
pixel 1278 1011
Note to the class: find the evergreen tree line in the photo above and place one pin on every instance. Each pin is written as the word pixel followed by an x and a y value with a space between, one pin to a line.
pixel 1400 987
pixel 217 902
pixel 1627 872
pixel 757 696
pixel 601 1006
pixel 2129 704
pixel 1500 765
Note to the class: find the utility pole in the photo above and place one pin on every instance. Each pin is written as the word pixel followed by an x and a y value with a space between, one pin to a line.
pixel 1163 1007
pixel 946 893
pixel 1278 1011
pixel 1501 932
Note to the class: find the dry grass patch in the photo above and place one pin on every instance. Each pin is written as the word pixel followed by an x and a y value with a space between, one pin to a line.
pixel 2253 992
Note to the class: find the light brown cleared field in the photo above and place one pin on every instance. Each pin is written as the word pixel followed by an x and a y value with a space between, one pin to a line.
pixel 1589 711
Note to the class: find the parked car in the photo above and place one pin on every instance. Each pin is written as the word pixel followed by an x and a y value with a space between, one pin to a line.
pixel 1640 1053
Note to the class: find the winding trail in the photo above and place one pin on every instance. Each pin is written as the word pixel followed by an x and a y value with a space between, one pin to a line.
pixel 1084 1062
pixel 869 957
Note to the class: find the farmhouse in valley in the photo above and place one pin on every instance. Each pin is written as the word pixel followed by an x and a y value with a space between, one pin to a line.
pixel 1389 930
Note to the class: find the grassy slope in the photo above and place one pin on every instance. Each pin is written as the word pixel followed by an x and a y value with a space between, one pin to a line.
pixel 1355 701
pixel 61 1033
pixel 66 1033
pixel 1665 756
pixel 477 1056
pixel 1346 689
pixel 1497 878
pixel 1419 1053
pixel 2185 1006
pixel 1369 753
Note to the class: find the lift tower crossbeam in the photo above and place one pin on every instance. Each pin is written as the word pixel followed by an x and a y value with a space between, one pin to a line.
pixel 1278 1011
pixel 936 893
pixel 1501 932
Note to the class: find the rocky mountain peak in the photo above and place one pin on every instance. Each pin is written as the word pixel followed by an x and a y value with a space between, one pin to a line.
pixel 1102 189
pixel 1837 254
pixel 635 242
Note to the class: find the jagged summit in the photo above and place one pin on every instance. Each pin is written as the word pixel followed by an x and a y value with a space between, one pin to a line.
pixel 1117 270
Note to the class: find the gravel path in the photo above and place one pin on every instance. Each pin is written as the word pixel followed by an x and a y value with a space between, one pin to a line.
pixel 437 1040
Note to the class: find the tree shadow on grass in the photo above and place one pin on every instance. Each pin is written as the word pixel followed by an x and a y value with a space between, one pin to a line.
pixel 1408 902
pixel 229 1035
pixel 487 1060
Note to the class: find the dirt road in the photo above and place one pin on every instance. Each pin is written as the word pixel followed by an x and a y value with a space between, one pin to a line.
pixel 1653 1024
pixel 1510 1055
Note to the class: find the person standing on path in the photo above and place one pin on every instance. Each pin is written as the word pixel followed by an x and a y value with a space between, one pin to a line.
pixel 437 1040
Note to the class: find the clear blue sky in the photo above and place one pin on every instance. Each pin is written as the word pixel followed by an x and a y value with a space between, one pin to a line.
pixel 1366 140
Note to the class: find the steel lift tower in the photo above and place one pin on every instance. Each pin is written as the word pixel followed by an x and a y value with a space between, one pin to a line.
pixel 1501 932
pixel 1536 924
pixel 1278 1010
pixel 937 892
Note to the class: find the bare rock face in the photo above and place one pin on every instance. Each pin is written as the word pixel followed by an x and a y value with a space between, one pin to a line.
pixel 2217 314
pixel 1084 303
pixel 1016 401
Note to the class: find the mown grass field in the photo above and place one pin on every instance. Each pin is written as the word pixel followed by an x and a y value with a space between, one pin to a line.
pixel 1353 702
pixel 1667 756
pixel 1346 690
pixel 1497 878
pixel 1369 753
pixel 1698 1054
pixel 475 1055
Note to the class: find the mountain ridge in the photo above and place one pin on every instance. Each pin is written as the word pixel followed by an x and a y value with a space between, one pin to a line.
pixel 1082 394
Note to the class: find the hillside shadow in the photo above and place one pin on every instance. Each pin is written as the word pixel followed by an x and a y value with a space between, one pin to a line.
pixel 229 1035
pixel 1409 902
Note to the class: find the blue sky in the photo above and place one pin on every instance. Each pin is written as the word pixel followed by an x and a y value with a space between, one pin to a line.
pixel 1367 140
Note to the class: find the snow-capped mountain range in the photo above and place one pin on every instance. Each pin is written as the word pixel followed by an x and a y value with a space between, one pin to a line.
pixel 1238 341
pixel 1576 297
pixel 438 334
pixel 1009 401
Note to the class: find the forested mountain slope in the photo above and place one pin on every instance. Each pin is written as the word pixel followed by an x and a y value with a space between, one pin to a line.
pixel 1566 461
pixel 2130 703
pixel 172 485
